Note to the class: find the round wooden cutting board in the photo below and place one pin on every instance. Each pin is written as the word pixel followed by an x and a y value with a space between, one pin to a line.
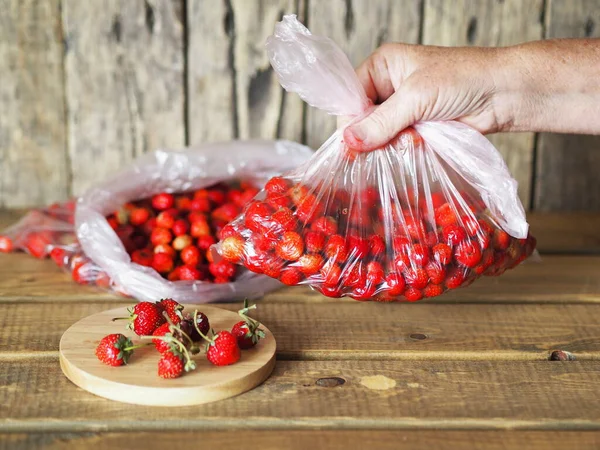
pixel 139 383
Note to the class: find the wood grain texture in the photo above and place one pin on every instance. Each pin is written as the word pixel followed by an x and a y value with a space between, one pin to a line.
pixel 491 23
pixel 264 109
pixel 303 439
pixel 358 27
pixel 387 395
pixel 308 330
pixel 567 165
pixel 125 83
pixel 34 166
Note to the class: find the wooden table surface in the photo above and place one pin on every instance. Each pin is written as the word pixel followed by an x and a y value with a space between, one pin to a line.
pixel 472 369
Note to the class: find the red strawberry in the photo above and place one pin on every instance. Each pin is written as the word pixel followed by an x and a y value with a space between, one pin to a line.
pixel 196 216
pixel 167 249
pixel 358 247
pixel 278 201
pixel 298 193
pixel 442 253
pixel 445 215
pixel 355 276
pixel 314 241
pixel 258 216
pixel 180 227
pixel 247 331
pixel 188 272
pixel 416 277
pixel 271 266
pixel 453 234
pixel 200 204
pixel 331 290
pixel 468 254
pixel 290 247
pixel 232 248
pixel 170 365
pixel 455 278
pixel 327 225
pixel 413 294
pixel 226 231
pixel 183 203
pixel 246 197
pixel 418 254
pixel 200 228
pixel 470 224
pixel 290 276
pixel 309 209
pixel 395 283
pixel 174 274
pixel 436 272
pixel 190 255
pixel 160 236
pixel 263 242
pixel 165 219
pixel 336 248
pixel 114 349
pixel 205 242
pixel 181 242
pixel 433 290
pixel 414 227
pixel 57 254
pixel 221 269
pixel 217 196
pixel 223 349
pixel 364 291
pixel 284 217
pixel 254 261
pixel 277 186
pixel 376 245
pixel 375 274
pixel 331 273
pixel 310 263
pixel 163 201
pixel 501 239
pixel 139 216
pixel 162 345
pixel 143 257
pixel 144 318
pixel 162 262
pixel 82 272
pixel 37 244
pixel 102 280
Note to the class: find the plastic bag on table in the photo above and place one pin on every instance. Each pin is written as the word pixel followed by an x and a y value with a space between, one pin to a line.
pixel 431 211
pixel 78 237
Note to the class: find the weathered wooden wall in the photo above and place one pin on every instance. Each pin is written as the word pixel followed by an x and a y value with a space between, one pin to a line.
pixel 86 86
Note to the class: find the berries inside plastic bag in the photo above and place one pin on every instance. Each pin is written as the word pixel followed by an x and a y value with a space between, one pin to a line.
pixel 433 210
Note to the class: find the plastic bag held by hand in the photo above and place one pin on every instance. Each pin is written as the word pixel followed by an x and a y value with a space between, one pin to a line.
pixel 431 211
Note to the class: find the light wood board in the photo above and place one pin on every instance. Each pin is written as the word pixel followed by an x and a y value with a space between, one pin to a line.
pixel 138 382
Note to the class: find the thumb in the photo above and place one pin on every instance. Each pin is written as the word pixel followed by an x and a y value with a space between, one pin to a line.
pixel 383 124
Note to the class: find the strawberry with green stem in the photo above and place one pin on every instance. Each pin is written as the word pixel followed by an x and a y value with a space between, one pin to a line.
pixel 247 331
pixel 144 318
pixel 115 349
pixel 222 349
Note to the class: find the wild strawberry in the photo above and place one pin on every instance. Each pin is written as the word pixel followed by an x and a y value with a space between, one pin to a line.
pixel 165 248
pixel 180 227
pixel 272 266
pixel 453 234
pixel 277 186
pixel 416 277
pixel 165 220
pixel 395 283
pixel 181 242
pixel 222 269
pixel 139 216
pixel 114 349
pixel 170 365
pixel 223 349
pixel 436 272
pixel 172 308
pixel 144 318
pixel 413 294
pixel 143 257
pixel 445 215
pixel 336 248
pixel 162 262
pixel 501 239
pixel 309 209
pixel 310 263
pixel 455 278
pixel 201 204
pixel 189 273
pixel 201 193
pixel 278 201
pixel 160 236
pixel 183 203
pixel 248 331
pixel 355 276
pixel 400 244
pixel 290 246
pixel 376 245
pixel 418 254
pixel 254 261
pixel 364 291
pixel 205 242
pixel 285 219
pixel 196 216
pixel 263 242
pixel 442 253
pixel 331 273
pixel 314 241
pixel 163 201
pixel 468 254
pixel 57 254
pixel 358 247
pixel 290 276
pixel 433 290
pixel 200 228
pixel 327 225
pixel 217 196
pixel 258 216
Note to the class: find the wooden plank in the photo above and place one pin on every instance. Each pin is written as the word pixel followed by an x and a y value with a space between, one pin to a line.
pixel 303 439
pixel 327 331
pixel 264 109
pixel 124 69
pixel 491 23
pixel 329 395
pixel 358 27
pixel 210 80
pixel 567 165
pixel 34 167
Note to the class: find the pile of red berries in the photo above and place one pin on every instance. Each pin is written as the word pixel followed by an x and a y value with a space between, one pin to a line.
pixel 382 249
pixel 177 337
pixel 172 233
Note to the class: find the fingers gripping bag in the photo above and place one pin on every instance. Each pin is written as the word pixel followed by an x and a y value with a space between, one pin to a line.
pixel 108 237
pixel 432 211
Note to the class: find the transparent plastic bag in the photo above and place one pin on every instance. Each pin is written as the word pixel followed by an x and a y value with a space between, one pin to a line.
pixel 431 211
pixel 78 237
